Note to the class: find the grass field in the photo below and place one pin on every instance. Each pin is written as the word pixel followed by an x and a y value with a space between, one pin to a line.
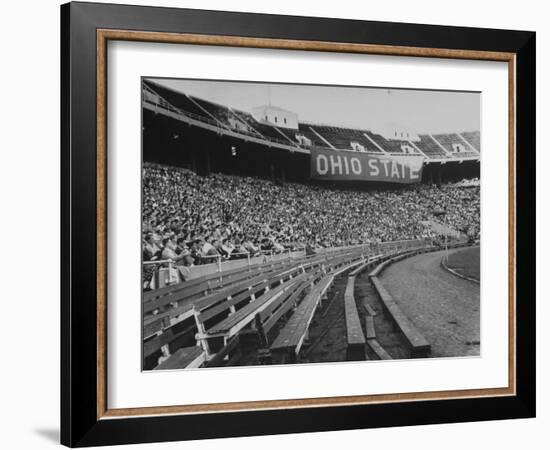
pixel 466 262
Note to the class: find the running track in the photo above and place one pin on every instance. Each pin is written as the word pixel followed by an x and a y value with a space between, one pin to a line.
pixel 444 307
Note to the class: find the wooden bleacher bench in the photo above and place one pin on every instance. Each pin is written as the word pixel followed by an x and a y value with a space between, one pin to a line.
pixel 242 317
pixel 370 311
pixel 200 286
pixel 268 308
pixel 194 287
pixel 419 347
pixel 282 286
pixel 378 349
pixel 219 358
pixel 211 308
pixel 225 294
pixel 390 259
pixel 154 344
pixel 370 334
pixel 380 267
pixel 223 301
pixel 288 343
pixel 238 274
pixel 187 308
pixel 369 327
pixel 271 315
pixel 232 302
pixel 291 337
pixel 185 357
pixel 354 333
pixel 221 295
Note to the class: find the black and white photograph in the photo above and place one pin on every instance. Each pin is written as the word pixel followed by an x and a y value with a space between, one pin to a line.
pixel 289 223
pixel 275 225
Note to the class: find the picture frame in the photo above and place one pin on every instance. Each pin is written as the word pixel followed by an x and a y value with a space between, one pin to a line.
pixel 86 418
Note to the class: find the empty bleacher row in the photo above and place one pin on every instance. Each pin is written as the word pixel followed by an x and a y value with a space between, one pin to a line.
pixel 286 347
pixel 292 136
pixel 267 131
pixel 430 147
pixel 473 138
pixel 355 337
pixel 453 144
pixel 198 322
pixel 341 138
pixel 308 132
pixel 393 146
pixel 212 110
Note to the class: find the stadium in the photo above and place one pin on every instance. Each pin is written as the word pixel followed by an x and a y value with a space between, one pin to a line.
pixel 268 239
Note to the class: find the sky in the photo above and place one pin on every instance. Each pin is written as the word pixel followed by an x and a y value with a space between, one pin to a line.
pixel 354 107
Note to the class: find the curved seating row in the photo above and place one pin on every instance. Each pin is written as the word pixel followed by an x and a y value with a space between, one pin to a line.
pixel 356 340
pixel 354 333
pixel 210 313
pixel 170 305
pixel 418 346
pixel 286 347
pixel 219 315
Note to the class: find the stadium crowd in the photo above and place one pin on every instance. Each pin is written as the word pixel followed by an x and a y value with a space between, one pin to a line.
pixel 192 219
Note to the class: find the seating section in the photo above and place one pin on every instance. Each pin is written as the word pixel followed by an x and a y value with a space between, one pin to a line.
pixel 316 141
pixel 202 321
pixel 238 320
pixel 187 316
pixel 267 131
pixel 220 113
pixel 166 306
pixel 450 141
pixel 390 146
pixel 291 338
pixel 430 148
pixel 341 138
pixel 210 311
pixel 474 138
pixel 287 135
pixel 271 315
pixel 179 101
pixel 287 345
pixel 359 136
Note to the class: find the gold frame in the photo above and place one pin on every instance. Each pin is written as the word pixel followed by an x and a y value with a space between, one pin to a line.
pixel 103 36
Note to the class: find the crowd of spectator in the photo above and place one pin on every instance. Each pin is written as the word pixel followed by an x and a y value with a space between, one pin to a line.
pixel 193 219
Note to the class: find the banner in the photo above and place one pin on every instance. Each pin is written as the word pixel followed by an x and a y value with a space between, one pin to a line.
pixel 350 165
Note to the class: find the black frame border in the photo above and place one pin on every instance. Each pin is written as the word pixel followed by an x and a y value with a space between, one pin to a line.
pixel 79 423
